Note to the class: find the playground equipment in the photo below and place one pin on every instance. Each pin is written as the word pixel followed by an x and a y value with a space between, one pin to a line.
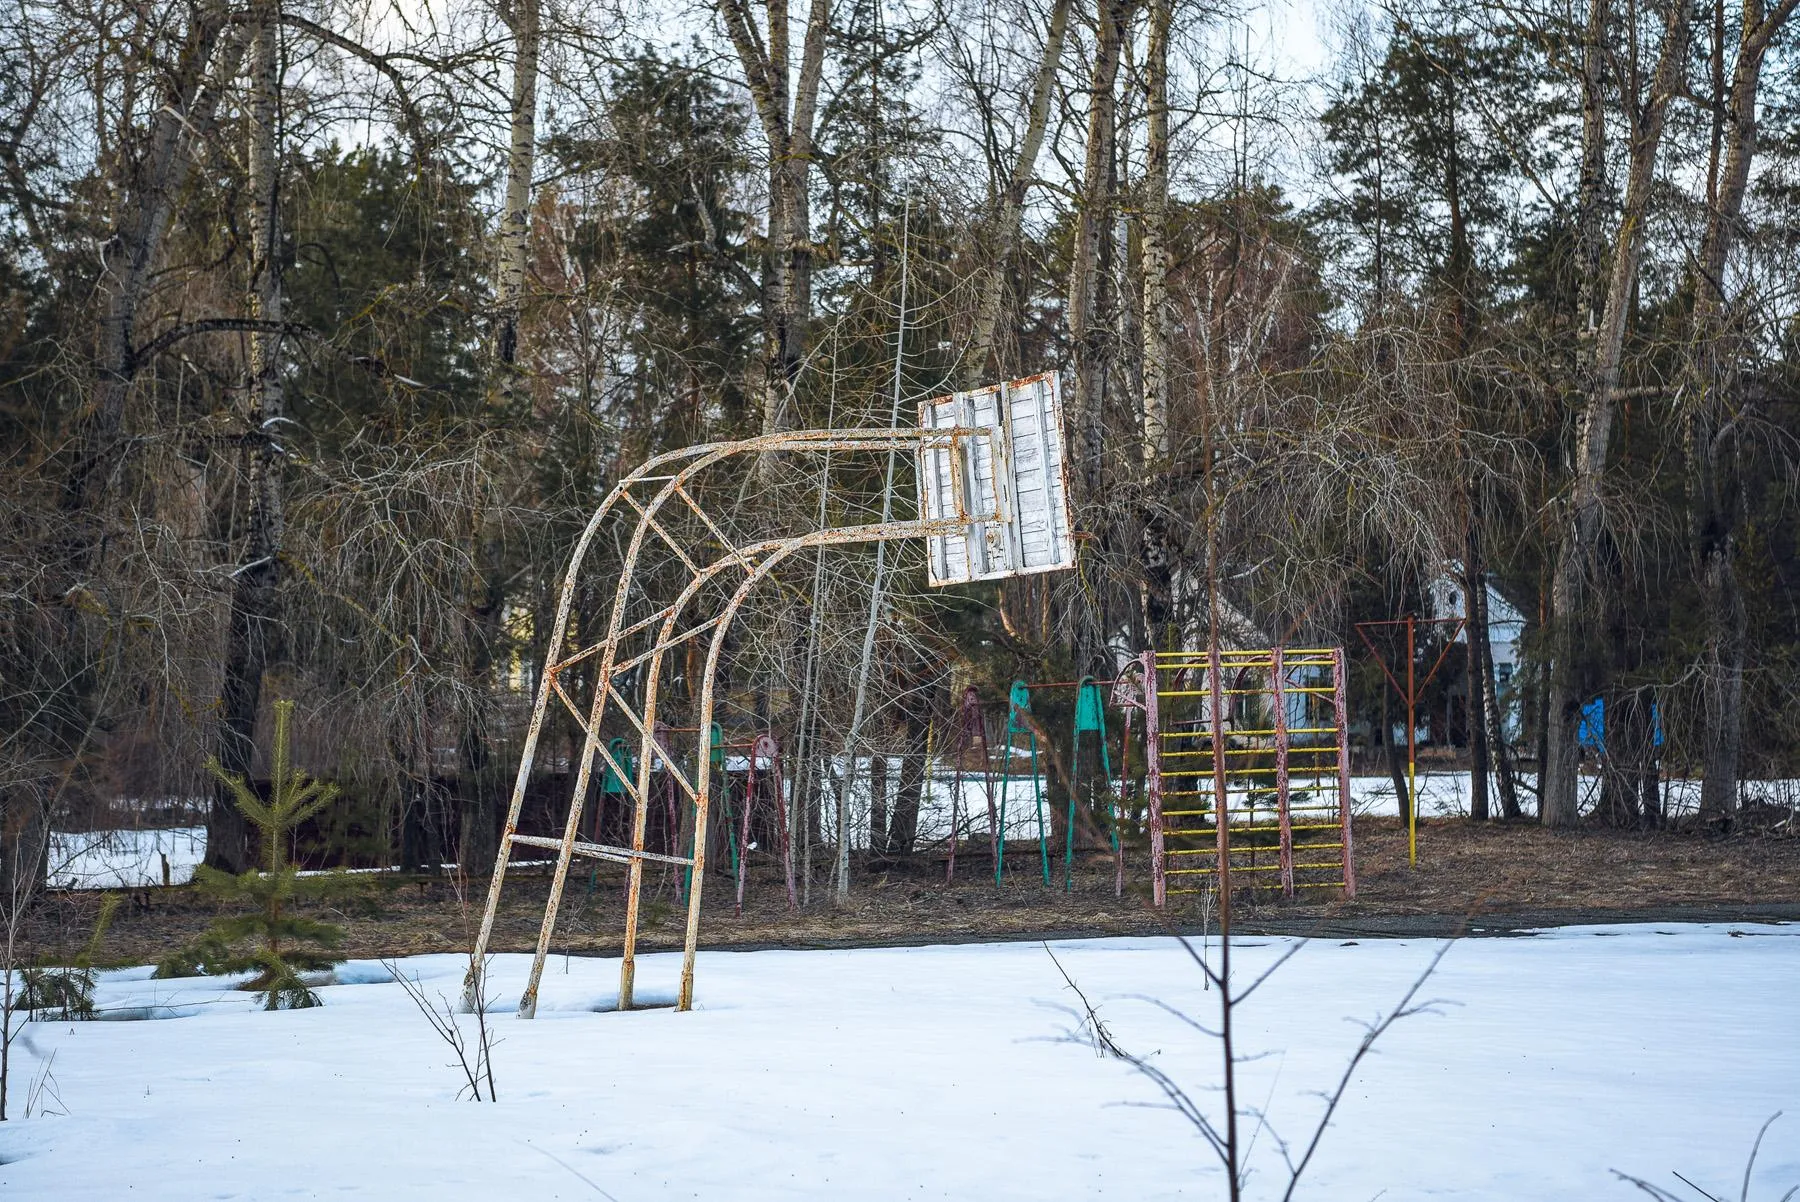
pixel 1248 768
pixel 1090 718
pixel 1409 693
pixel 1018 711
pixel 992 503
pixel 765 770
pixel 971 730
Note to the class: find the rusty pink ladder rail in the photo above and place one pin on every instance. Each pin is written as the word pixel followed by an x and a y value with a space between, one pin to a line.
pixel 1285 801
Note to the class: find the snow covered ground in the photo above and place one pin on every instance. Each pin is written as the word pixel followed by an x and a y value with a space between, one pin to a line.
pixel 125 859
pixel 942 1072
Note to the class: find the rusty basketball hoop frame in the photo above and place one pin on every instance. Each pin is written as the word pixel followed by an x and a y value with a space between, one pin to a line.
pixel 644 643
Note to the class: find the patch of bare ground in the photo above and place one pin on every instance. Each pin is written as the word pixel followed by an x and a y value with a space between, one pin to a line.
pixel 1480 879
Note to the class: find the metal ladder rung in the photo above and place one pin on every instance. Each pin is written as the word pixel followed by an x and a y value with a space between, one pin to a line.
pixel 1215 871
pixel 600 851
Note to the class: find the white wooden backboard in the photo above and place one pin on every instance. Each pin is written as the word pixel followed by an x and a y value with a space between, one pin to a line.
pixel 1013 482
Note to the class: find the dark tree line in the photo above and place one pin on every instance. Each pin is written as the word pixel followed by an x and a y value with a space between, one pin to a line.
pixel 321 335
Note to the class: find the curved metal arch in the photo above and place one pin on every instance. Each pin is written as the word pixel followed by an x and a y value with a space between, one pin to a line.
pixel 758 560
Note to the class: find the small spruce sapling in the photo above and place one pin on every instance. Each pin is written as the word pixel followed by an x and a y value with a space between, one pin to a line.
pixel 66 993
pixel 267 924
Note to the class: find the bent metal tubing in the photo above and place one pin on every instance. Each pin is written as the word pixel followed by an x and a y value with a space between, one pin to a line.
pixel 673 485
pixel 770 553
pixel 700 457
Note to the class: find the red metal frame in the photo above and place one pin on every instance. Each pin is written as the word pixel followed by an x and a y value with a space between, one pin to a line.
pixel 763 748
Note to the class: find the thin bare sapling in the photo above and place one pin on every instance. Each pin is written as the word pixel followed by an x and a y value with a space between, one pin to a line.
pixel 1223 1132
pixel 476 1061
pixel 1663 1195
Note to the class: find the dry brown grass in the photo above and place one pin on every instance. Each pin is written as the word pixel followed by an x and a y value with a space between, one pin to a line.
pixel 1503 876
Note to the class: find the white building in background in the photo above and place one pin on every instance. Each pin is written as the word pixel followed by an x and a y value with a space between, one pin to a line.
pixel 1506 631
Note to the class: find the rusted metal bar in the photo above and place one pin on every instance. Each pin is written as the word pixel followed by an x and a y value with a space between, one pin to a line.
pixel 764 747
pixel 1277 686
pixel 892 530
pixel 1221 798
pixel 600 851
pixel 773 552
pixel 472 995
pixel 686 464
pixel 1159 890
pixel 1343 724
pixel 591 743
pixel 744 561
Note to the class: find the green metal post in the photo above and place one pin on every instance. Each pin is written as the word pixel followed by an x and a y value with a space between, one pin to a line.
pixel 1090 715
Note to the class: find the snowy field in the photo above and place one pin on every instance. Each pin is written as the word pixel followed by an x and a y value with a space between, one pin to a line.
pixel 941 1072
pixel 125 859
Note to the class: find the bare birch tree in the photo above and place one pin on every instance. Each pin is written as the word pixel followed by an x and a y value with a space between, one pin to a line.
pixel 254 619
pixel 1712 410
pixel 787 112
pixel 1571 594
pixel 1010 204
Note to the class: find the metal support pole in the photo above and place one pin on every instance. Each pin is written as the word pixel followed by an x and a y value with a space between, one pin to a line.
pixel 1277 681
pixel 1412 749
pixel 1342 713
pixel 1221 796
pixel 1119 805
pixel 1159 888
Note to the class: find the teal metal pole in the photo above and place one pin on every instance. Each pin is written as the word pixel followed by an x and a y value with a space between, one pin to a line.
pixel 1074 788
pixel 1090 715
pixel 1037 795
pixel 1000 834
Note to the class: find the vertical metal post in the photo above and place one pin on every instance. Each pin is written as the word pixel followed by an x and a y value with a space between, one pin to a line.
pixel 1277 674
pixel 1159 889
pixel 1221 796
pixel 1342 713
pixel 781 812
pixel 1074 788
pixel 743 843
pixel 996 836
pixel 1412 750
pixel 652 750
pixel 1118 804
pixel 1000 829
pixel 589 745
pixel 1037 797
pixel 471 997
pixel 955 808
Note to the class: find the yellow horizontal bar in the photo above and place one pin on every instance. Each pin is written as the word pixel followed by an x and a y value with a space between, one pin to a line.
pixel 1235 869
pixel 1287 653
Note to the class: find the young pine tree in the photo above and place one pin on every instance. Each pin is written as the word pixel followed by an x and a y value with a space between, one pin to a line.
pixel 266 937
pixel 66 992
